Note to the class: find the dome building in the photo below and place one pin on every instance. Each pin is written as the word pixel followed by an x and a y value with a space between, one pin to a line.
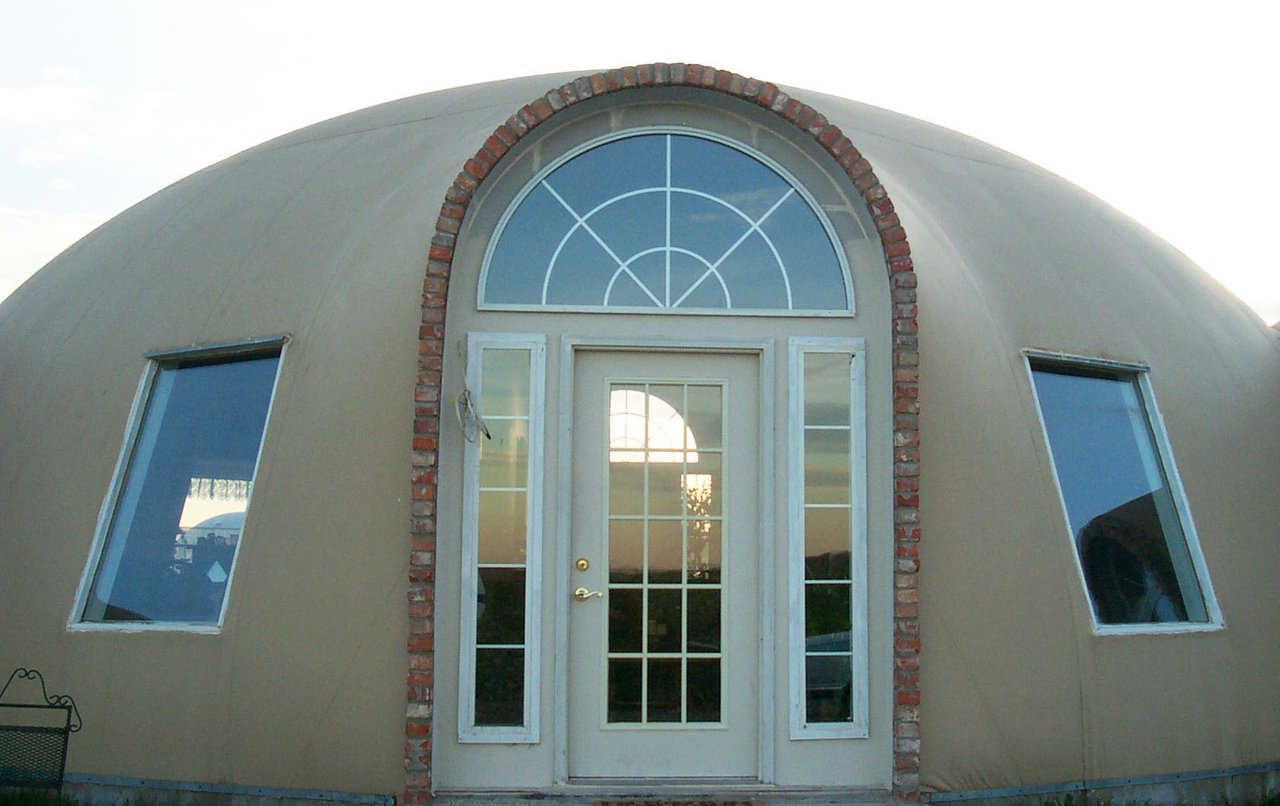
pixel 664 435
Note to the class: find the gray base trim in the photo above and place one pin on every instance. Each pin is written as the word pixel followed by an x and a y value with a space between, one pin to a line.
pixel 1102 783
pixel 229 789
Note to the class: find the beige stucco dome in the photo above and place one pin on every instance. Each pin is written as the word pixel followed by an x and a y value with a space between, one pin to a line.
pixel 324 234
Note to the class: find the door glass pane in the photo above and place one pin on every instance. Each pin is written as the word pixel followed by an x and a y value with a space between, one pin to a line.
pixel 704 621
pixel 664 691
pixel 626 550
pixel 703 692
pixel 665 550
pixel 702 482
pixel 665 492
pixel 664 620
pixel 665 489
pixel 625 690
pixel 703 552
pixel 703 417
pixel 626 486
pixel 626 619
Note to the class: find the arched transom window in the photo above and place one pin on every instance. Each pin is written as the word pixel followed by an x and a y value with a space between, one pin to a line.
pixel 665 222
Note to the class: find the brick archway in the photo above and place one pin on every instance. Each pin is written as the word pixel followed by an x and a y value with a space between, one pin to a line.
pixel 427 395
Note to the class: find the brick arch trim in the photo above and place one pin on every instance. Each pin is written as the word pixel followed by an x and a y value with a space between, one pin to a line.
pixel 427 395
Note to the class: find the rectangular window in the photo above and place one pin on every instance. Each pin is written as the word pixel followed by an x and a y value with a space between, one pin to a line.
pixel 501 418
pixel 827 560
pixel 1125 508
pixel 172 522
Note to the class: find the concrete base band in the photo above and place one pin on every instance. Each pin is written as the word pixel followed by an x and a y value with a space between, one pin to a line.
pixel 95 789
pixel 1269 769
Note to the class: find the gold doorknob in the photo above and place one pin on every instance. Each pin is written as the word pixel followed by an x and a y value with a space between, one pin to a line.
pixel 582 594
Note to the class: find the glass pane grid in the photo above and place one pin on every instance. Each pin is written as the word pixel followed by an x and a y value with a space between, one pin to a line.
pixel 675 504
pixel 502 539
pixel 826 528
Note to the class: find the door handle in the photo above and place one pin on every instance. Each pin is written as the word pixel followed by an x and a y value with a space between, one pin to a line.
pixel 582 594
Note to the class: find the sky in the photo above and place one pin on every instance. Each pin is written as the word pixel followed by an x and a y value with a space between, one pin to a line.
pixel 1166 110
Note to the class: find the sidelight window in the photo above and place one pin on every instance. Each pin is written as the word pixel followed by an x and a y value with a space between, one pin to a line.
pixel 829 665
pixel 501 414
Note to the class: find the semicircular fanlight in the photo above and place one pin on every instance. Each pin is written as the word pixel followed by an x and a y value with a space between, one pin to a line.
pixel 665 223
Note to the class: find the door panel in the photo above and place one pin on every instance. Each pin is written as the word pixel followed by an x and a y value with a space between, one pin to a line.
pixel 663 634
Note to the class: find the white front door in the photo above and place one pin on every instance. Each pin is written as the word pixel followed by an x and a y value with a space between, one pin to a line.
pixel 664 632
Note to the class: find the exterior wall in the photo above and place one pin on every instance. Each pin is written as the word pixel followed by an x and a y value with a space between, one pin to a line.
pixel 432 336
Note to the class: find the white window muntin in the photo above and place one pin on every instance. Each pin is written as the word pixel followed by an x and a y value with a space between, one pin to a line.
pixel 859 724
pixel 468 731
pixel 798 188
pixel 1140 374
pixel 107 511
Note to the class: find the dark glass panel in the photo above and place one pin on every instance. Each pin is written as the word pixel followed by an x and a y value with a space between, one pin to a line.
pixel 626 619
pixel 703 697
pixel 499 686
pixel 664 620
pixel 828 683
pixel 826 616
pixel 500 606
pixel 664 691
pixel 704 621
pixel 624 690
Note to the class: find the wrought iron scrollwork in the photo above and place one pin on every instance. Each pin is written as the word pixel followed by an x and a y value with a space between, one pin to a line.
pixel 56 701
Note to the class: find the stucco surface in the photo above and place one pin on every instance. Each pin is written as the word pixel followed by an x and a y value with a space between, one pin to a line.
pixel 323 234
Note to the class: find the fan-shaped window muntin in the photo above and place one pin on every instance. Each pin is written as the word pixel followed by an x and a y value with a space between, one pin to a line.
pixel 665 221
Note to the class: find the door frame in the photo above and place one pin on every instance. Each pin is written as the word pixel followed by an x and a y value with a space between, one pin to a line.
pixel 559 579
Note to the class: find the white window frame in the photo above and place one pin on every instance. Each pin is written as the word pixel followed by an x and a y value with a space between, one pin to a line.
pixel 1140 373
pixel 106 512
pixel 846 274
pixel 468 731
pixel 859 726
